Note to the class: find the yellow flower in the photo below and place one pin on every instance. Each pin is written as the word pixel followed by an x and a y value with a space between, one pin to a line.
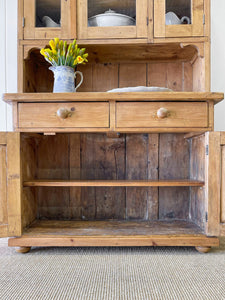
pixel 52 44
pixel 80 60
pixel 56 42
pixel 43 52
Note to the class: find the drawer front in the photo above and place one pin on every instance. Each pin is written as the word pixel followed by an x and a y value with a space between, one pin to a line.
pixel 161 114
pixel 64 115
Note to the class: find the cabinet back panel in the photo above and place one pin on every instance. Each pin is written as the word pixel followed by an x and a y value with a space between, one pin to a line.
pixel 174 159
pixel 29 168
pixel 97 157
pixel 98 77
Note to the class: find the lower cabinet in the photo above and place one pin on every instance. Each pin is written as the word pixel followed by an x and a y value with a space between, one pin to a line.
pixel 87 189
pixel 10 185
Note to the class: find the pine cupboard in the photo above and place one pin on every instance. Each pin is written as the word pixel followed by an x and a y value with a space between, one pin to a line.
pixel 94 168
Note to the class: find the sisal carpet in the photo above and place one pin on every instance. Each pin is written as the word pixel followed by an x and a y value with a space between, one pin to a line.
pixel 112 273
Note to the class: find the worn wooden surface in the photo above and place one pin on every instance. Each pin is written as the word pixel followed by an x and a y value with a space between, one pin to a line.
pixel 139 115
pixel 102 96
pixel 119 179
pixel 3 190
pixel 109 227
pixel 222 214
pixel 111 241
pixel 197 172
pixel 110 183
pixel 28 169
pixel 46 115
pixel 113 233
pixel 174 155
pixel 14 184
pixel 105 68
pixel 213 182
pixel 53 202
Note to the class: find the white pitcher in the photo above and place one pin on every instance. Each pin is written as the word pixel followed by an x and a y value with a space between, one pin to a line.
pixel 64 77
pixel 172 19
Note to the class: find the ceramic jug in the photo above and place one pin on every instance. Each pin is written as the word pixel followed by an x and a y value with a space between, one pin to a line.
pixel 64 77
pixel 172 19
pixel 48 22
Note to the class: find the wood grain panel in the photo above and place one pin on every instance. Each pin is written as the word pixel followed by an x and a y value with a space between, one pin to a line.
pixel 197 172
pixel 157 74
pixel 175 76
pixel 14 184
pixel 29 168
pixel 187 77
pixel 75 202
pixel 132 75
pixel 105 77
pixel 213 182
pixel 137 168
pixel 45 115
pixel 103 158
pixel 153 174
pixel 145 115
pixel 173 163
pixel 223 186
pixel 53 163
pixel 3 193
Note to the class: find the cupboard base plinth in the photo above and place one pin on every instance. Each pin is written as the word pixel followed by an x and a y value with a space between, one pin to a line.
pixel 200 242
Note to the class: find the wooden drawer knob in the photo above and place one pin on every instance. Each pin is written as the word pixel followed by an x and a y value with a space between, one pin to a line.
pixel 64 113
pixel 162 113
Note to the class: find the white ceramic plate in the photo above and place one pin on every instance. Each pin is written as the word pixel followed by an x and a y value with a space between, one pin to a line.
pixel 140 89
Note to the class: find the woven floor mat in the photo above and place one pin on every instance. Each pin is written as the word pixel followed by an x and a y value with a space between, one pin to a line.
pixel 138 273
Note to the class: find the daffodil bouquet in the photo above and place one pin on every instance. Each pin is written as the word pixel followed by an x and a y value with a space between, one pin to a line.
pixel 61 54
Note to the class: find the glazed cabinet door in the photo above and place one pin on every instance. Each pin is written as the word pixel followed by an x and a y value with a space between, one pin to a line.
pixel 215 183
pixel 10 185
pixel 179 18
pixel 103 19
pixel 46 19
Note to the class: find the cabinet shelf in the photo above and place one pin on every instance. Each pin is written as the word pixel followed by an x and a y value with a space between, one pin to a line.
pixel 113 233
pixel 112 183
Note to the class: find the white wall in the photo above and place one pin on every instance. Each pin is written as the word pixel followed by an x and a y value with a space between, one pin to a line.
pixel 218 58
pixel 8 58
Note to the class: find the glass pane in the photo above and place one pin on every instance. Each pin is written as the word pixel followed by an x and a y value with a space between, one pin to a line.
pixel 178 12
pixel 48 13
pixel 111 12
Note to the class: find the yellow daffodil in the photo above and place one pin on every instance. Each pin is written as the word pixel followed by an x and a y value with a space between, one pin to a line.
pixel 61 54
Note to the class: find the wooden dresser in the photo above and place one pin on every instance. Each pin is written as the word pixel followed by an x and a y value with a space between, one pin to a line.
pixel 94 168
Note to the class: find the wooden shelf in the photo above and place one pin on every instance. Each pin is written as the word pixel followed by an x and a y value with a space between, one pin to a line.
pixel 113 233
pixel 112 183
pixel 104 96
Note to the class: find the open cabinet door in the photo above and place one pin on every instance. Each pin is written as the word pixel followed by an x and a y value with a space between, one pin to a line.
pixel 222 204
pixel 10 184
pixel 215 183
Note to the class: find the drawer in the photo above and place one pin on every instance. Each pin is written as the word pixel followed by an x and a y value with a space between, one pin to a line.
pixel 63 115
pixel 170 114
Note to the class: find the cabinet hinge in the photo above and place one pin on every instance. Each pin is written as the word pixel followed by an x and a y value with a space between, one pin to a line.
pixel 207 149
pixel 203 19
pixel 147 21
pixel 206 216
pixel 23 22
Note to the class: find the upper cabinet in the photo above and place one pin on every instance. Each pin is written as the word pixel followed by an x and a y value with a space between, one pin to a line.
pixel 179 18
pixel 103 19
pixel 46 19
pixel 114 19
